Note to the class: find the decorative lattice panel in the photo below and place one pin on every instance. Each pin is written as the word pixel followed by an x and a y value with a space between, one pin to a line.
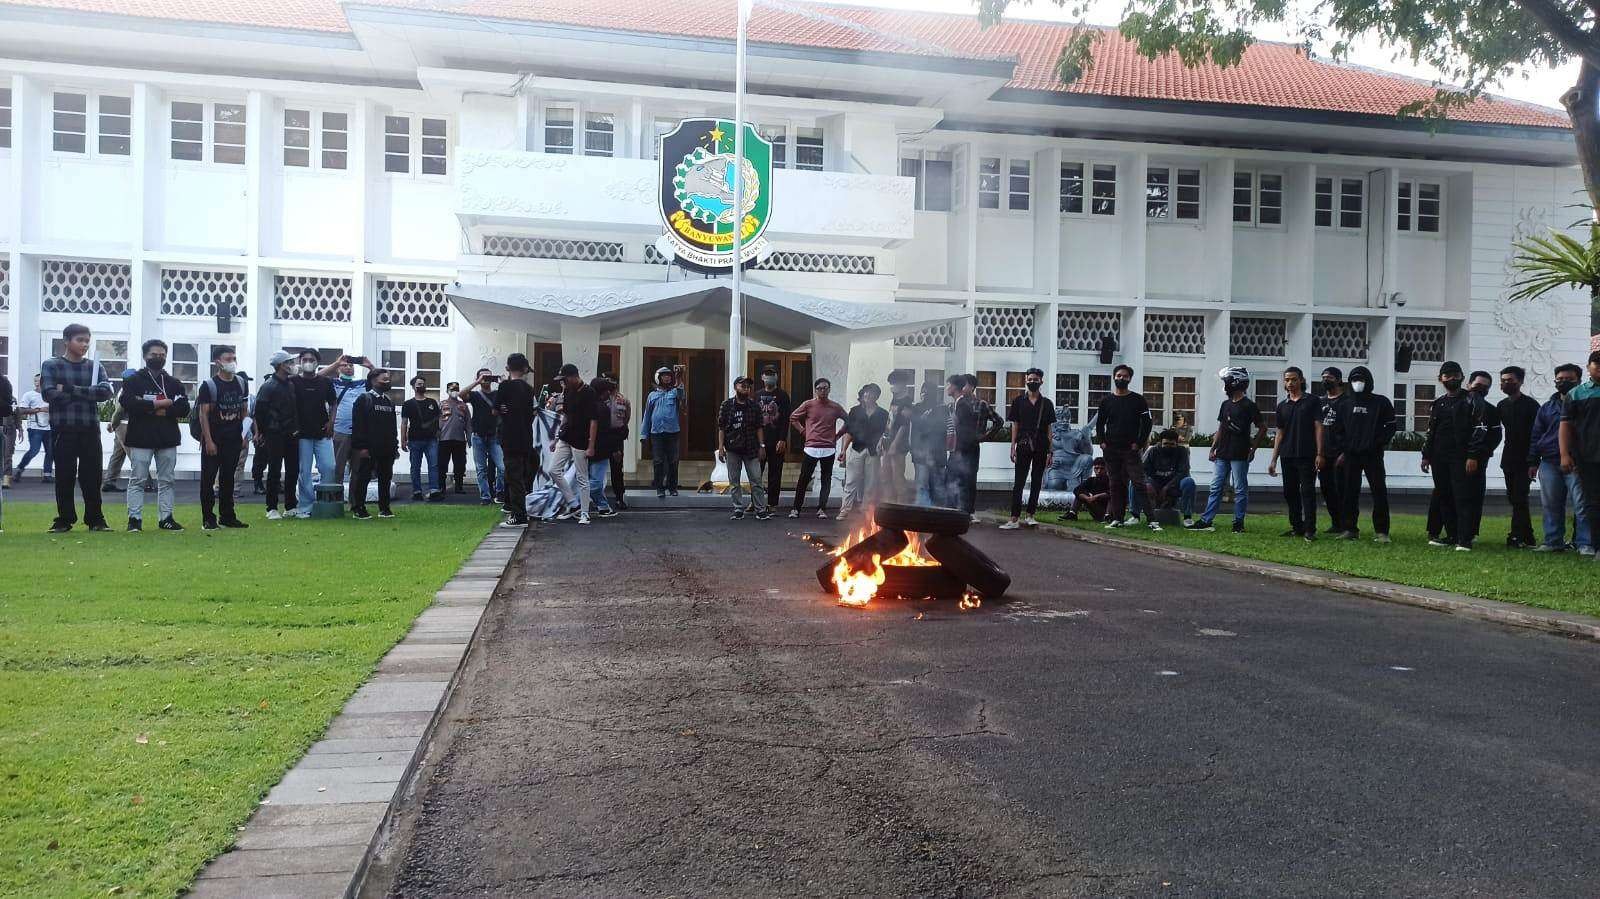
pixel 86 288
pixel 1426 341
pixel 1081 329
pixel 1262 337
pixel 552 248
pixel 1183 335
pixel 820 263
pixel 1339 338
pixel 5 286
pixel 938 337
pixel 413 303
pixel 652 256
pixel 201 292
pixel 311 298
pixel 1003 327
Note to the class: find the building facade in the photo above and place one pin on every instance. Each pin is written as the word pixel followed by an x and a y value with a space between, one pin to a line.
pixel 438 185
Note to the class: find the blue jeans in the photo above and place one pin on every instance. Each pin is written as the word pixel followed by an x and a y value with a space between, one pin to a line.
pixel 1184 489
pixel 1557 494
pixel 489 462
pixel 38 439
pixel 320 451
pixel 1221 469
pixel 599 468
pixel 425 449
pixel 928 476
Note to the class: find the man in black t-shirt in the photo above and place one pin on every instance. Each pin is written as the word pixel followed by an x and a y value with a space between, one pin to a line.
pixel 515 404
pixel 486 454
pixel 1238 425
pixel 1122 426
pixel 222 403
pixel 575 444
pixel 775 408
pixel 1299 418
pixel 419 435
pixel 1031 416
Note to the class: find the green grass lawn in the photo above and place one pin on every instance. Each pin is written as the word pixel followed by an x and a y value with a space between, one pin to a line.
pixel 156 685
pixel 1564 582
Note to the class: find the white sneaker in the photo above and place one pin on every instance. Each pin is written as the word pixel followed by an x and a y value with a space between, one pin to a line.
pixel 1030 521
pixel 1155 526
pixel 843 516
pixel 977 520
pixel 794 513
pixel 1010 526
pixel 583 518
pixel 1188 521
pixel 1130 521
pixel 274 515
pixel 303 515
pixel 1114 525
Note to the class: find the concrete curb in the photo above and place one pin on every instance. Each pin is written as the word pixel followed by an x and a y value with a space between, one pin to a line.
pixel 1563 623
pixel 313 834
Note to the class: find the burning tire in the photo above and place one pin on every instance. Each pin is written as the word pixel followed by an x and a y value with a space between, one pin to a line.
pixel 920 581
pixel 970 564
pixel 884 544
pixel 922 519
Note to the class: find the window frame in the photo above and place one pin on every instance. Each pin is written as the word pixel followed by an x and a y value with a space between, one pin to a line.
pixel 1006 197
pixel 416 123
pixel 588 132
pixel 1164 409
pixel 1171 202
pixel 208 123
pixel 316 147
pixel 919 159
pixel 1413 412
pixel 1256 189
pixel 410 366
pixel 1336 211
pixel 8 111
pixel 581 111
pixel 1408 222
pixel 94 119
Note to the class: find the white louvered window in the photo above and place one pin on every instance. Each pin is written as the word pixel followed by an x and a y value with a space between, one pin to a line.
pixel 932 171
pixel 200 293
pixel 397 144
pixel 416 144
pixel 228 133
pixel 779 136
pixel 1339 338
pixel 185 365
pixel 1003 327
pixel 313 138
pixel 412 304
pixel 560 129
pixel 115 123
pixel 1019 184
pixel 312 298
pixel 1088 188
pixel 405 364
pixel 1258 337
pixel 1176 334
pixel 989 182
pixel 808 149
pixel 110 352
pixel 86 288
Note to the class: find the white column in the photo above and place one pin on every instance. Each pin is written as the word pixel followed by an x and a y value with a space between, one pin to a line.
pixel 363 284
pixel 256 343
pixel 1300 201
pixel 1130 350
pixel 1046 202
pixel 145 303
pixel 27 148
pixel 580 345
pixel 1298 332
pixel 1135 226
pixel 830 358
pixel 1218 193
pixel 1380 351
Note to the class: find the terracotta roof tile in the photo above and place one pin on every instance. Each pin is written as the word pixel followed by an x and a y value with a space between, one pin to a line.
pixel 1271 75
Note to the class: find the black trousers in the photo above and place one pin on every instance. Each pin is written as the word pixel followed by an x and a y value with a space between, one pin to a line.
pixel 774 473
pixel 808 466
pixel 258 466
pixel 1589 477
pixel 1456 510
pixel 618 488
pixel 381 467
pixel 963 469
pixel 1517 485
pixel 1341 510
pixel 1123 467
pixel 282 455
pixel 1300 493
pixel 519 472
pixel 1029 463
pixel 1349 490
pixel 216 479
pixel 452 455
pixel 77 458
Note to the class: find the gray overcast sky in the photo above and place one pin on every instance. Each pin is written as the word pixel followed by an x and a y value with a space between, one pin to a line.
pixel 1542 86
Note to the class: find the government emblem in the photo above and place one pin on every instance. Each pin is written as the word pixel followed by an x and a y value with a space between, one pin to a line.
pixel 697 196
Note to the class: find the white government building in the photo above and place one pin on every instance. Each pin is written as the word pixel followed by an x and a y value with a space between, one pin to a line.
pixel 437 184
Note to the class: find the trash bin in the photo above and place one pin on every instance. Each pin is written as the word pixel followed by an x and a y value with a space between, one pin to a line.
pixel 329 502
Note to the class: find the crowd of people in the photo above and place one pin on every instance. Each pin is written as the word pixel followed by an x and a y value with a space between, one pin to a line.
pixel 551 451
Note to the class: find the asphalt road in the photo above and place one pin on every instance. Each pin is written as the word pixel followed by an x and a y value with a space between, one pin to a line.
pixel 668 706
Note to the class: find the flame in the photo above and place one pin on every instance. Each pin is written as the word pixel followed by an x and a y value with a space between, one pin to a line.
pixel 856 588
pixel 912 555
pixel 970 600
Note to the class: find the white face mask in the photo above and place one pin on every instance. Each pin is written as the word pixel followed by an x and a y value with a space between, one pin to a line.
pixel 1358 386
pixel 308 368
pixel 230 367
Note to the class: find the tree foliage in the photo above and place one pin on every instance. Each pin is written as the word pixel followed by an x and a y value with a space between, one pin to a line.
pixel 1556 260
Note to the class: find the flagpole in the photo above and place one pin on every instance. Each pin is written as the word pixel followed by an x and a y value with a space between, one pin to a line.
pixel 736 306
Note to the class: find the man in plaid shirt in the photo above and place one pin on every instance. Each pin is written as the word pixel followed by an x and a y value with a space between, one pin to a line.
pixel 75 385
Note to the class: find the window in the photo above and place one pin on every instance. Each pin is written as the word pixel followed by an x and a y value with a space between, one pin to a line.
pixel 661 127
pixel 989 182
pixel 111 353
pixel 297 137
pixel 1101 181
pixel 335 140
pixel 1419 206
pixel 432 150
pixel 599 133
pixel 1266 397
pixel 1351 202
pixel 1168 396
pixel 1155 396
pixel 808 149
pixel 559 129
pixel 986 387
pixel 5 352
pixel 1099 386
pixel 1103 196
pixel 5 118
pixel 932 171
pixel 1068 395
pixel 1183 394
pixel 396 144
pixel 1257 198
pixel 70 123
pixel 1016 385
pixel 188 131
pixel 1072 188
pixel 185 365
pixel 1019 185
pixel 429 365
pixel 328 141
pixel 227 133
pixel 116 126
pixel 1417 400
pixel 1172 194
pixel 435 146
pixel 779 136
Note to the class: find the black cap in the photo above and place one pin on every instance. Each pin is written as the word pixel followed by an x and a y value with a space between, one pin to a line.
pixel 1450 368
pixel 1333 370
pixel 569 370
pixel 769 370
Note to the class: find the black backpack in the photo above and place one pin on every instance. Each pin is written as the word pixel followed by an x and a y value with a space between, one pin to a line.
pixel 216 394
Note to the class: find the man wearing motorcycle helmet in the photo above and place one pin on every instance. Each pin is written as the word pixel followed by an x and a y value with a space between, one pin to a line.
pixel 661 425
pixel 1238 425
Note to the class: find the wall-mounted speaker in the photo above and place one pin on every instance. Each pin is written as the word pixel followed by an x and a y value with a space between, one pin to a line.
pixel 1402 358
pixel 1108 347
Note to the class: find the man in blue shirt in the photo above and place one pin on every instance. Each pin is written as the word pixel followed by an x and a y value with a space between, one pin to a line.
pixel 663 422
pixel 1558 489
pixel 346 390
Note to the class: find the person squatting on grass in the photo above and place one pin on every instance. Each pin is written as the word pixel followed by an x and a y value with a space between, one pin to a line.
pixel 1580 442
pixel 1166 467
pixel 1463 431
pixel 1094 494
pixel 1122 428
pixel 1299 422
pixel 375 444
pixel 1032 445
pixel 1232 450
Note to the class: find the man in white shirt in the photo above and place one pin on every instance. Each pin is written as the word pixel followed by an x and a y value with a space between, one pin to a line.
pixel 35 414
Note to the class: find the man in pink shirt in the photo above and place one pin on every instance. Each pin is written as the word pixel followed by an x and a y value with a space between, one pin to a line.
pixel 818 420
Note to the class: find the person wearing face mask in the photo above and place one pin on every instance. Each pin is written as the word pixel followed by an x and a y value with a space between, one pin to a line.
pixel 1360 423
pixel 346 390
pixel 864 430
pixel 818 420
pixel 1463 432
pixel 419 436
pixel 1558 489
pixel 277 422
pixel 155 402
pixel 1580 442
pixel 971 419
pixel 1298 419
pixel 1031 416
pixel 316 400
pixel 1329 477
pixel 221 409
pixel 1122 428
pixel 375 442
pixel 1517 412
pixel 776 406
pixel 1239 423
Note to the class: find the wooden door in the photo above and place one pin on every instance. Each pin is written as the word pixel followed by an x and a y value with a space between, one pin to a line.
pixel 704 377
pixel 547 362
pixel 794 376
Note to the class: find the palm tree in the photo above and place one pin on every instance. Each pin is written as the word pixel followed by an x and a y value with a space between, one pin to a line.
pixel 1558 260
